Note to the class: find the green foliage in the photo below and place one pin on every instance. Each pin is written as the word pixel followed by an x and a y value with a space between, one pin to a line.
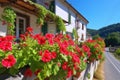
pixel 96 36
pixel 96 48
pixel 75 34
pixel 118 51
pixel 60 24
pixel 9 16
pixel 113 39
pixel 92 31
pixel 88 75
pixel 43 13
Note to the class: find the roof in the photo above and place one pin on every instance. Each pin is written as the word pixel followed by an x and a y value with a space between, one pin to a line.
pixel 79 14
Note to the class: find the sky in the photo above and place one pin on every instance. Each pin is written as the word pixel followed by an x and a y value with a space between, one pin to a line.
pixel 99 13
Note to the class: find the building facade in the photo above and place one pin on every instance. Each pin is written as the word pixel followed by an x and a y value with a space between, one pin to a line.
pixel 71 17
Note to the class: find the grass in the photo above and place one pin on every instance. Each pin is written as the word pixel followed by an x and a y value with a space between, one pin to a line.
pixel 99 74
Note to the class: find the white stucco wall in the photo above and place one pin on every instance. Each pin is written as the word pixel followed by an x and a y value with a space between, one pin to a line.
pixel 51 28
pixel 3 28
pixel 61 10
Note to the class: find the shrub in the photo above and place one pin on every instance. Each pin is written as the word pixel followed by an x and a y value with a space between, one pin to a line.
pixel 118 51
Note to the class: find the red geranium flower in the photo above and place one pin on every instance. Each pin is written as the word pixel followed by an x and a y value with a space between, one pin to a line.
pixel 65 66
pixel 85 48
pixel 28 73
pixel 22 36
pixel 51 42
pixel 75 58
pixel 63 50
pixel 49 36
pixel 46 56
pixel 41 40
pixel 71 42
pixel 40 53
pixel 8 38
pixel 29 29
pixel 68 36
pixel 9 61
pixel 37 71
pixel 6 45
pixel 53 55
pixel 88 53
pixel 69 73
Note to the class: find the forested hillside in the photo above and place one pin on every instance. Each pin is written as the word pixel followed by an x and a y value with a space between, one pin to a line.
pixel 103 32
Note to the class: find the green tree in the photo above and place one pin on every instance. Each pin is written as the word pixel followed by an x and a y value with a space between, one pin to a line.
pixel 96 36
pixel 113 39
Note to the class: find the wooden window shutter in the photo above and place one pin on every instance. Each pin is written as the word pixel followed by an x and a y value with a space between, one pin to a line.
pixel 82 26
pixel 58 30
pixel 52 6
pixel 69 18
pixel 44 28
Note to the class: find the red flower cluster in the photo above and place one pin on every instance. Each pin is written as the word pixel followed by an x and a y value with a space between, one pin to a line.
pixel 86 49
pixel 6 43
pixel 69 73
pixel 65 67
pixel 28 73
pixel 30 29
pixel 94 49
pixel 9 61
pixel 75 58
pixel 48 56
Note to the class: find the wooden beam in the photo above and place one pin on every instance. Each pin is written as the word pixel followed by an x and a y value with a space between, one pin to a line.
pixel 25 9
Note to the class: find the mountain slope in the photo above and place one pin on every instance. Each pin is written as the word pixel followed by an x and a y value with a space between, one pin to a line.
pixel 109 29
pixel 103 32
pixel 92 31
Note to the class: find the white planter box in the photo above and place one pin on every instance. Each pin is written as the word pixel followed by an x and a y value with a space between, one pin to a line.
pixel 81 77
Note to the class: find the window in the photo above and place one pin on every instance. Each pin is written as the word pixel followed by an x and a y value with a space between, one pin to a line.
pixel 44 28
pixel 69 18
pixel 77 24
pixel 22 21
pixel 82 26
pixel 82 37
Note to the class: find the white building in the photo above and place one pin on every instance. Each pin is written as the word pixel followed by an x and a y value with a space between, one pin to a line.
pixel 71 17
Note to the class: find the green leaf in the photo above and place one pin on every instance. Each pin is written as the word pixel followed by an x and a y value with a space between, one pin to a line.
pixel 2 70
pixel 35 65
pixel 49 66
pixel 64 57
pixel 55 69
pixel 13 71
